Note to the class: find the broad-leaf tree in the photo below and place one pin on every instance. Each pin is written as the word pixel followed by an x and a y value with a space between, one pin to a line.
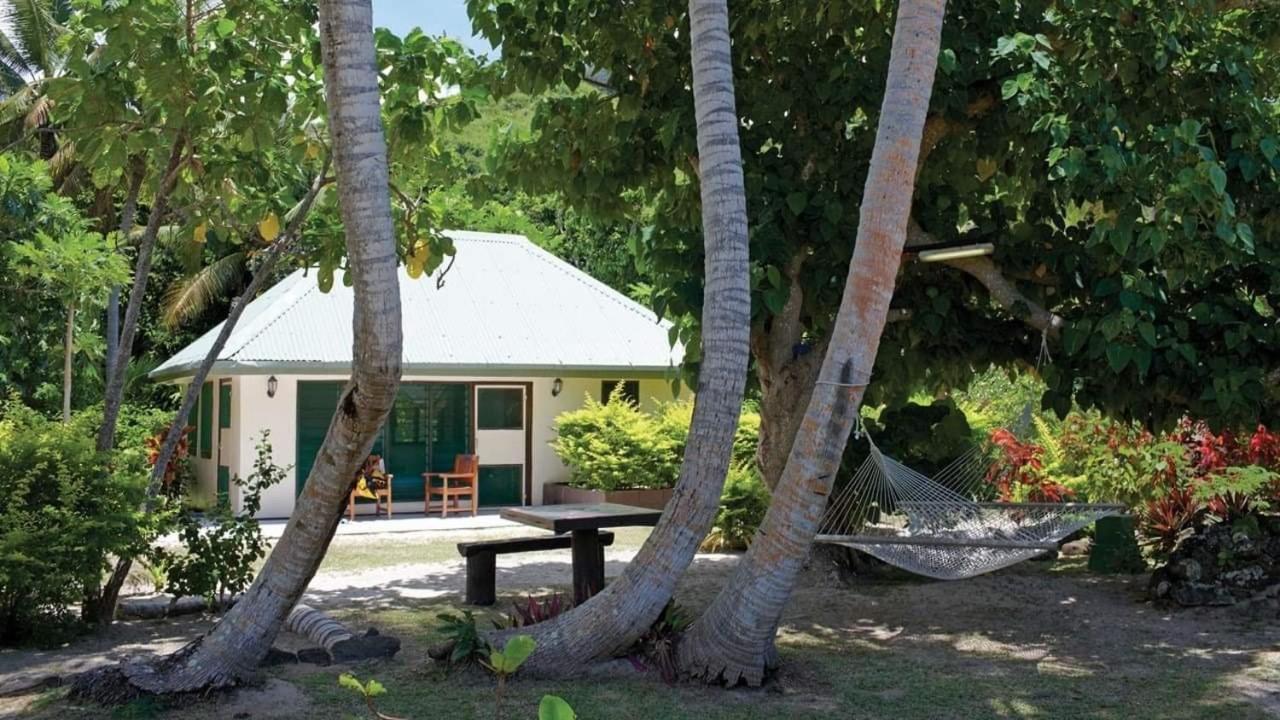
pixel 1120 156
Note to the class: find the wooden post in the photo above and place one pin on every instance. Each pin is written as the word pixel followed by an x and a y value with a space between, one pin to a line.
pixel 588 565
pixel 482 569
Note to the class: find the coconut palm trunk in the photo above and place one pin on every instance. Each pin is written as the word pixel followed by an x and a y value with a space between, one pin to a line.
pixel 612 620
pixel 232 650
pixel 733 641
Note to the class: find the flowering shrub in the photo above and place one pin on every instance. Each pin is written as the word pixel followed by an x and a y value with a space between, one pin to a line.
pixel 1018 472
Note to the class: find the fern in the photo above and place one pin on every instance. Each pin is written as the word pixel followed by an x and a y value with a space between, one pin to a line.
pixel 1049 440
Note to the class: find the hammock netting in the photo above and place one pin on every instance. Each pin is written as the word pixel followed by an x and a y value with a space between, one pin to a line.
pixel 937 527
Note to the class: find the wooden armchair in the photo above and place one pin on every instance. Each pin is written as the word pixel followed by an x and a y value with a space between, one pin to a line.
pixel 463 481
pixel 373 482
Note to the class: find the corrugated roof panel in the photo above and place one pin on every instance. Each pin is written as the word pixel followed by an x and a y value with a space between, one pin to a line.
pixel 505 306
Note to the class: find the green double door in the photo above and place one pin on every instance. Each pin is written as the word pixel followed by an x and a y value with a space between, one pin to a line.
pixel 429 425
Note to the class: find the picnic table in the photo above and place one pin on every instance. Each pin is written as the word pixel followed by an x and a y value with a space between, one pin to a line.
pixel 583 522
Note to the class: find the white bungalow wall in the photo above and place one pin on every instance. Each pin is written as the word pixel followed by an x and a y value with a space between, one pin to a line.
pixel 253 411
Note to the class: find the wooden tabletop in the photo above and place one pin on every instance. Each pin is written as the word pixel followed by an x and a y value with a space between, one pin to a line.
pixel 590 516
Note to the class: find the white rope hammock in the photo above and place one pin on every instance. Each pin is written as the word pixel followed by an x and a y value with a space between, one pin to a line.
pixel 935 527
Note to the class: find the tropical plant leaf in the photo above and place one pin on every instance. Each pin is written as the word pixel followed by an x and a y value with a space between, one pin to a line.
pixel 190 296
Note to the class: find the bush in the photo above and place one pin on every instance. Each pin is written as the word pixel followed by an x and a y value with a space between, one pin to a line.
pixel 616 447
pixel 743 503
pixel 619 447
pixel 62 515
pixel 222 547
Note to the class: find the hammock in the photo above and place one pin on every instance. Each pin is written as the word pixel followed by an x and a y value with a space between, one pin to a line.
pixel 935 527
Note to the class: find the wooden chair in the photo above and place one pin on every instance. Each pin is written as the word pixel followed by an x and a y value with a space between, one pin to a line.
pixel 463 481
pixel 373 470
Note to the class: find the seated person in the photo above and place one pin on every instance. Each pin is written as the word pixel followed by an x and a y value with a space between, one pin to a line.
pixel 373 476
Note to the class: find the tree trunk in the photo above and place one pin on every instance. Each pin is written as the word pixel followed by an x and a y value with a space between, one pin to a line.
pixel 68 351
pixel 733 640
pixel 128 212
pixel 615 618
pixel 114 395
pixel 109 596
pixel 232 650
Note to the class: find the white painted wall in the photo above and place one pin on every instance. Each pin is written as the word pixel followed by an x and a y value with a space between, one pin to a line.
pixel 253 411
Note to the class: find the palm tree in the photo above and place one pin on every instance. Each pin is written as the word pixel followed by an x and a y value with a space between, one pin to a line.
pixel 628 606
pixel 733 640
pixel 29 33
pixel 232 651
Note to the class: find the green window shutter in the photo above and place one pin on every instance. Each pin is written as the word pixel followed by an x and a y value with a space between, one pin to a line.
pixel 316 403
pixel 224 405
pixel 206 420
pixel 224 485
pixel 499 408
pixel 501 485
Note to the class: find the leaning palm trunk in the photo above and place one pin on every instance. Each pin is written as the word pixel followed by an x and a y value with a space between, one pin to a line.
pixel 733 640
pixel 612 620
pixel 232 651
pixel 110 594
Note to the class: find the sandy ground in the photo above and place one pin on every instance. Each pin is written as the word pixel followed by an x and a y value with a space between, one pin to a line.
pixel 1062 622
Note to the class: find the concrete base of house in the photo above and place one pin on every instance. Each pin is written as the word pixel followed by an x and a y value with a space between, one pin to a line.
pixel 564 494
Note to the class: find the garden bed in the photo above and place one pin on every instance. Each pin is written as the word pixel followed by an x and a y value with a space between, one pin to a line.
pixel 1225 563
pixel 564 494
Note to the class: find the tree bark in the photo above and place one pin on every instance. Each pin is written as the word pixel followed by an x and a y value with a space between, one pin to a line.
pixel 128 211
pixel 232 650
pixel 68 350
pixel 615 618
pixel 733 640
pixel 109 597
pixel 114 395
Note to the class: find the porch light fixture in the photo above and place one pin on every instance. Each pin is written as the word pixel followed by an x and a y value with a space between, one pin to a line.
pixel 956 253
pixel 271 386
pixel 556 386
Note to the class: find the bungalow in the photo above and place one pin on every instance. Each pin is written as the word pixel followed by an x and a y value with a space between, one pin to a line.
pixel 513 337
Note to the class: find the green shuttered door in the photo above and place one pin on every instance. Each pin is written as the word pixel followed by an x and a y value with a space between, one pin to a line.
pixel 206 420
pixel 500 484
pixel 316 403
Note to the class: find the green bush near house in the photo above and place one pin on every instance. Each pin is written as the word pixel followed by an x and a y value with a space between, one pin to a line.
pixel 62 515
pixel 742 507
pixel 618 446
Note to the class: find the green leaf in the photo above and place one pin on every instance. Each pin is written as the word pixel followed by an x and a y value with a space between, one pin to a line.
pixel 348 681
pixel 1245 233
pixel 797 201
pixel 1148 333
pixel 1118 357
pixel 555 708
pixel 947 61
pixel 224 27
pixel 1009 88
pixel 1218 178
pixel 374 688
pixel 511 657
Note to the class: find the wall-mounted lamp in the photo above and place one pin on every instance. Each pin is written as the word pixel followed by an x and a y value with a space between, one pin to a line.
pixel 272 383
pixel 556 386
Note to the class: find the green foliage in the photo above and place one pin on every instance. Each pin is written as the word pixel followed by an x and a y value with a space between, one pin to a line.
pixel 221 548
pixel 552 707
pixel 62 515
pixel 468 645
pixel 507 661
pixel 924 437
pixel 743 503
pixel 1249 483
pixel 1150 226
pixel 1121 462
pixel 616 446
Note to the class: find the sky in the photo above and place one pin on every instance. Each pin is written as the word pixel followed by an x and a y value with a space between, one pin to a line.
pixel 435 17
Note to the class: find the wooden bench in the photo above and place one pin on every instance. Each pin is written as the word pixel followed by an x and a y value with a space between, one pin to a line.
pixel 482 560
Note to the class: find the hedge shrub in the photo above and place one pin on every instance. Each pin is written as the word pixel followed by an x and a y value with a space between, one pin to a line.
pixel 618 446
pixel 61 516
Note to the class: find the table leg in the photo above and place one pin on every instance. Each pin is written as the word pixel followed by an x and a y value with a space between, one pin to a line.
pixel 588 565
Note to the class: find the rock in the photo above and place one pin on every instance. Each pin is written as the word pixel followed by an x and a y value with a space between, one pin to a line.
pixel 315 656
pixel 1187 569
pixel 276 656
pixel 1197 594
pixel 1245 578
pixel 1075 548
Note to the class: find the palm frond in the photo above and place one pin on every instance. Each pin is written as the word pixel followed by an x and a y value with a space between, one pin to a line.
pixel 63 161
pixel 17 106
pixel 37 31
pixel 13 64
pixel 190 296
pixel 38 114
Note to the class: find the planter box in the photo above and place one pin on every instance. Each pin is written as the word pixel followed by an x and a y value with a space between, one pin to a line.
pixel 563 494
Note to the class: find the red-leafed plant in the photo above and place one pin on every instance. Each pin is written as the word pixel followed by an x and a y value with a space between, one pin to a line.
pixel 1020 466
pixel 171 484
pixel 535 610
pixel 1167 518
